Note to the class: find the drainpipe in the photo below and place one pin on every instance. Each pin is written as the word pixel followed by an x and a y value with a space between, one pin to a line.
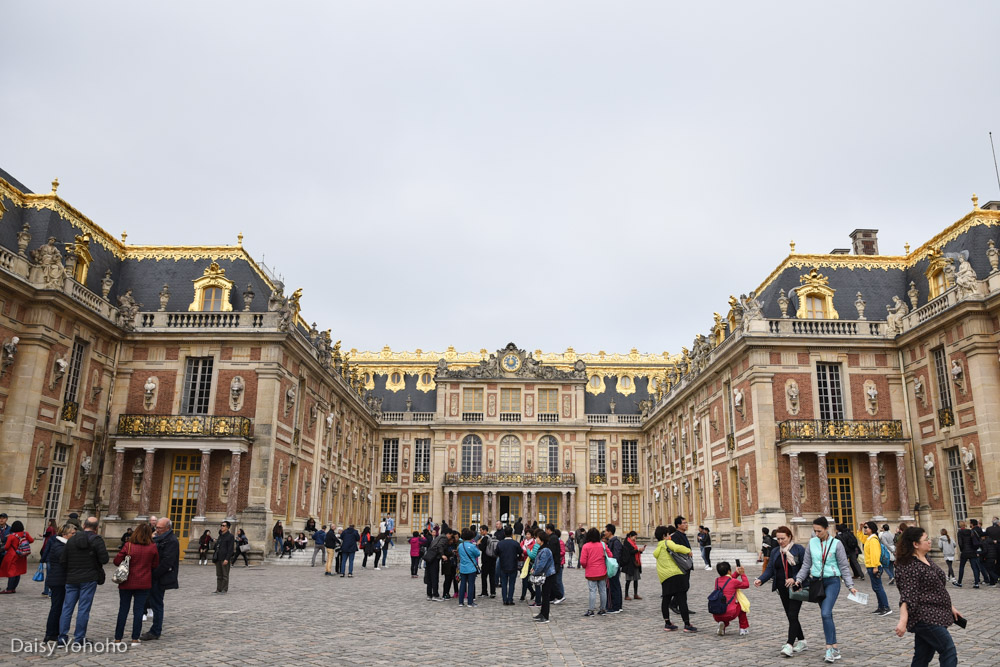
pixel 919 490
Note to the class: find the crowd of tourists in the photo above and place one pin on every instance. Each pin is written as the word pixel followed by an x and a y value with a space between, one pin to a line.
pixel 454 561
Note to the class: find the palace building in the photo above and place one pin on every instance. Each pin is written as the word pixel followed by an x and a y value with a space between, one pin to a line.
pixel 183 381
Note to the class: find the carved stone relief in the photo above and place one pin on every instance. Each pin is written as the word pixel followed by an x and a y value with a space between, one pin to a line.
pixel 792 397
pixel 236 389
pixel 871 397
pixel 149 391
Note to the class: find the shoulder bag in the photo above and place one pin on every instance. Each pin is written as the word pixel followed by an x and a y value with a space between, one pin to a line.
pixel 817 591
pixel 121 572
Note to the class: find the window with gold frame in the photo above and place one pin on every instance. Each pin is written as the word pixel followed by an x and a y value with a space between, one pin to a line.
pixel 387 505
pixel 211 291
pixel 421 509
pixel 815 297
pixel 548 401
pixel 510 400
pixel 472 400
pixel 630 512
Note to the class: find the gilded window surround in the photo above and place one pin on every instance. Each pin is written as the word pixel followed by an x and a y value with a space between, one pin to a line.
pixel 81 249
pixel 815 284
pixel 936 264
pixel 214 276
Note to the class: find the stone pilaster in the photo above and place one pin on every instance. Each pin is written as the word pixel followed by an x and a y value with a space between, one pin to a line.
pixel 905 511
pixel 234 485
pixel 876 486
pixel 793 464
pixel 116 484
pixel 147 483
pixel 206 462
pixel 824 484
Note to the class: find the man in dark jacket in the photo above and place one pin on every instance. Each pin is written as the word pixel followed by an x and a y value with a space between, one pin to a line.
pixel 615 582
pixel 225 550
pixel 432 557
pixel 508 553
pixel 968 547
pixel 489 569
pixel 851 548
pixel 330 543
pixel 348 547
pixel 164 575
pixel 979 536
pixel 991 551
pixel 56 578
pixel 83 559
pixel 319 539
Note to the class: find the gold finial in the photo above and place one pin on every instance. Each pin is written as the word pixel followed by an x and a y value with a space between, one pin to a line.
pixel 791 244
pixel 124 236
pixel 55 185
pixel 239 239
pixel 975 201
pixel 906 248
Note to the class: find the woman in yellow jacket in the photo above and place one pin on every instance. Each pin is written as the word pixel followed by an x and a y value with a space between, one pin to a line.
pixel 873 563
pixel 673 582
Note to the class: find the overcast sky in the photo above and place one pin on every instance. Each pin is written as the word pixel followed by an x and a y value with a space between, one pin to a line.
pixel 595 175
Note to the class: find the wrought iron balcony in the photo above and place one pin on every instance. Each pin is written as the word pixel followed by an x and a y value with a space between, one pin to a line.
pixel 421 477
pixel 389 477
pixel 946 417
pixel 829 429
pixel 510 479
pixel 169 426
pixel 70 410
pixel 598 478
pixel 731 442
pixel 630 478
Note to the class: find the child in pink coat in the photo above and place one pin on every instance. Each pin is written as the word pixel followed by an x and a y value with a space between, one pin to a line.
pixel 730 582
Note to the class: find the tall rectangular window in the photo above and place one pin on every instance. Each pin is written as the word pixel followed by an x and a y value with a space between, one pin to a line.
pixel 597 510
pixel 421 510
pixel 941 373
pixel 548 455
pixel 955 476
pixel 422 456
pixel 548 401
pixel 630 461
pixel 390 455
pixel 831 395
pixel 197 385
pixel 73 372
pixel 472 400
pixel 510 400
pixel 598 457
pixel 57 473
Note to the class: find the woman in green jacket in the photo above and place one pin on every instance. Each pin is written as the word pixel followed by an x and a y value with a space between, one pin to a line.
pixel 673 582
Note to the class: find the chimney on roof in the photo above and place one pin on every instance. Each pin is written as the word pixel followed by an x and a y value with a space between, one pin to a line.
pixel 840 251
pixel 865 241
pixel 992 206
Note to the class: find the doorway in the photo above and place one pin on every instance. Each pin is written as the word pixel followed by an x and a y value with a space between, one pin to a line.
pixel 510 509
pixel 185 480
pixel 838 474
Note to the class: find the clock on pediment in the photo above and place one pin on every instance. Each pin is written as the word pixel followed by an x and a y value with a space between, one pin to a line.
pixel 511 362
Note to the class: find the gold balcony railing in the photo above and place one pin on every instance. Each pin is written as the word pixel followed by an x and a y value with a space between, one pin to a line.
pixel 946 417
pixel 165 426
pixel 510 478
pixel 846 429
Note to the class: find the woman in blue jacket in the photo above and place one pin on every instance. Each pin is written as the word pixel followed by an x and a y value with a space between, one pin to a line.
pixel 781 569
pixel 468 567
pixel 826 560
pixel 545 565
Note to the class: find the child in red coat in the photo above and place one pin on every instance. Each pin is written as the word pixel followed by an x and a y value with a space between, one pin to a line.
pixel 730 582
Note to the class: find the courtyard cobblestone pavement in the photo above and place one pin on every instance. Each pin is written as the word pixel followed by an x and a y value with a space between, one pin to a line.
pixel 295 615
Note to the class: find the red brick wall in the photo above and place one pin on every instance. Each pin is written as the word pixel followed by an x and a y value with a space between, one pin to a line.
pixel 165 379
pixel 859 400
pixel 925 377
pixel 804 380
pixel 225 378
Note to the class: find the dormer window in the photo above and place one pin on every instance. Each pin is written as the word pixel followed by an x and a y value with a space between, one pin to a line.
pixel 815 298
pixel 211 291
pixel 937 273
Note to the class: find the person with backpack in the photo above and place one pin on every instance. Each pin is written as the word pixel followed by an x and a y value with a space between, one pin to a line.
pixel 784 565
pixel 886 538
pixel 875 555
pixel 705 545
pixel 56 580
pixel 674 582
pixel 488 547
pixel 968 550
pixel 593 560
pixel 615 580
pixel 366 545
pixel 852 547
pixel 723 602
pixel 825 563
pixel 17 548
pixel 765 548
pixel 947 546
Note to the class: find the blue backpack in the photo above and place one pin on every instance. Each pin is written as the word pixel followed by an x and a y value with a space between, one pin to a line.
pixel 886 558
pixel 717 602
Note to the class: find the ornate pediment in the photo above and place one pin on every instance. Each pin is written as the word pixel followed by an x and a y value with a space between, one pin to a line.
pixel 514 363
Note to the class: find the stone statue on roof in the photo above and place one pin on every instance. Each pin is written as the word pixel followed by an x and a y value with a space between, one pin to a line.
pixel 894 320
pixel 965 278
pixel 49 258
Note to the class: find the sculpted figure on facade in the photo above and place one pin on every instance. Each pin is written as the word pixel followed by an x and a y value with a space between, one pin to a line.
pixel 106 283
pixel 928 466
pixel 965 278
pixel 236 388
pixel 9 353
pixel 49 258
pixel 738 399
pixel 969 458
pixel 859 303
pixel 128 309
pixel 914 294
pixel 993 255
pixel 894 320
pixel 753 309
pixel 792 396
pixel 918 389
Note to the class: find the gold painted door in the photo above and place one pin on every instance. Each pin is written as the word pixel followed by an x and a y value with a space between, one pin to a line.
pixel 185 478
pixel 548 509
pixel 468 510
pixel 838 474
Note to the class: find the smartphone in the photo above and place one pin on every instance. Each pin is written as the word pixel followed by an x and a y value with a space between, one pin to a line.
pixel 961 622
pixel 738 563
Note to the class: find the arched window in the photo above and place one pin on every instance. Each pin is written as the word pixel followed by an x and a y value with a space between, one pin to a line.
pixel 937 274
pixel 548 455
pixel 472 455
pixel 510 454
pixel 211 291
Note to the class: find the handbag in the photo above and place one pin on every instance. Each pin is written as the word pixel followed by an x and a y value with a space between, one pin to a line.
pixel 524 568
pixel 801 594
pixel 611 564
pixel 538 579
pixel 39 573
pixel 743 600
pixel 121 572
pixel 683 561
pixel 244 548
pixel 475 561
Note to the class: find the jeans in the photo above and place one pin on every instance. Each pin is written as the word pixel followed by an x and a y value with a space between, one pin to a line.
pixel 489 576
pixel 12 582
pixel 598 588
pixel 973 560
pixel 45 582
pixel 57 594
pixel 792 608
pixel 507 580
pixel 319 549
pixel 347 562
pixel 615 592
pixel 876 578
pixel 928 639
pixel 385 554
pixel 84 595
pixel 467 584
pixel 136 600
pixel 278 543
pixel 414 565
pixel 560 592
pixel 951 568
pixel 706 555
pixel 526 587
pixel 431 578
pixel 155 602
pixel 890 569
pixel 832 587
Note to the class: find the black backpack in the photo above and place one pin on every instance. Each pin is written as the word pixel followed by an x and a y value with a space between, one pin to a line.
pixel 717 602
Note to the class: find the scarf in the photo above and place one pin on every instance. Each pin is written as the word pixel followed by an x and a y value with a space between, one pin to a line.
pixel 787 553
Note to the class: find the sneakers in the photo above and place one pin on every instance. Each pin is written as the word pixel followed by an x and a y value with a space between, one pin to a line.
pixel 799 646
pixel 892 580
pixel 461 604
pixel 744 632
pixel 540 619
pixel 559 601
pixel 590 612
pixel 722 629
pixel 601 612
pixel 145 617
pixel 787 650
pixel 473 604
pixel 667 625
pixel 829 656
pixel 136 642
pixel 836 653
pixel 956 584
pixel 616 611
pixel 975 585
pixel 690 628
pixel 885 612
pixel 708 568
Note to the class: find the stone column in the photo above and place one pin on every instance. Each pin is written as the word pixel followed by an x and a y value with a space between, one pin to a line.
pixel 904 500
pixel 824 484
pixel 876 486
pixel 793 463
pixel 234 485
pixel 572 511
pixel 147 483
pixel 454 508
pixel 524 507
pixel 483 516
pixel 116 483
pixel 565 508
pixel 206 463
pixel 531 515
